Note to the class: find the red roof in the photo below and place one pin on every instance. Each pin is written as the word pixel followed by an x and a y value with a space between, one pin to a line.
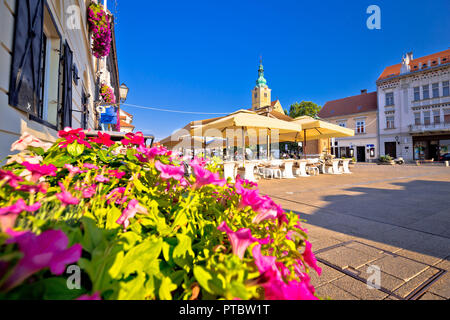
pixel 365 102
pixel 126 125
pixel 394 70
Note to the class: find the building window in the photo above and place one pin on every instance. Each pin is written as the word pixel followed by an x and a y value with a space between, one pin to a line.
pixel 256 95
pixel 445 88
pixel 435 90
pixel 426 118
pixel 417 119
pixel 416 93
pixel 265 95
pixel 437 116
pixel 426 91
pixel 361 126
pixel 389 99
pixel 390 122
pixel 446 115
pixel 342 124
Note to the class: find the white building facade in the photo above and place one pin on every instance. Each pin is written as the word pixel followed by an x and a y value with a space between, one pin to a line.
pixel 414 108
pixel 49 76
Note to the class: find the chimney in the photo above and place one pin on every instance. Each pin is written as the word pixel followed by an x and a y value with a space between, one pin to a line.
pixel 363 91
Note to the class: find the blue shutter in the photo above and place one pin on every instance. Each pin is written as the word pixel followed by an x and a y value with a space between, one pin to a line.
pixel 25 78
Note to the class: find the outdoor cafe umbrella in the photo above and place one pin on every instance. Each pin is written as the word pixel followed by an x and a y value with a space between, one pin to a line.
pixel 315 129
pixel 245 120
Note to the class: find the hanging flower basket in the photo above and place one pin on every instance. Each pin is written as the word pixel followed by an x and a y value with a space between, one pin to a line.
pixel 99 24
pixel 107 94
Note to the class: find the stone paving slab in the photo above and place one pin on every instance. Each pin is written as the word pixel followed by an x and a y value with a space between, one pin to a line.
pixel 359 289
pixel 400 267
pixel 431 296
pixel 331 291
pixel 328 274
pixel 344 257
pixel 387 281
pixel 411 285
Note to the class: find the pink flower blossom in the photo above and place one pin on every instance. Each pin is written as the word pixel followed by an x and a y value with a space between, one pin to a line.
pixel 10 178
pixel 70 136
pixel 116 195
pixel 66 197
pixel 95 296
pixel 150 153
pixel 103 139
pixel 132 209
pixel 42 188
pixel 240 240
pixel 133 138
pixel 48 250
pixel 89 191
pixel 90 166
pixel 169 172
pixel 39 171
pixel 72 170
pixel 199 162
pixel 205 177
pixel 19 207
pixel 310 259
pixel 115 173
pixel 265 263
pixel 101 179
pixel 293 290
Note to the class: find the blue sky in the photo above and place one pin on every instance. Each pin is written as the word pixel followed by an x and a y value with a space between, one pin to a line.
pixel 203 55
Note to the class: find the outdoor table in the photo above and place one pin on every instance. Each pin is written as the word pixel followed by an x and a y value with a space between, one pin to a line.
pixel 335 167
pixel 228 170
pixel 302 164
pixel 249 171
pixel 287 173
pixel 345 164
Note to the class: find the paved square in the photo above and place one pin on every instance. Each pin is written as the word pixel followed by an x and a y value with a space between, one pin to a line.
pixel 397 209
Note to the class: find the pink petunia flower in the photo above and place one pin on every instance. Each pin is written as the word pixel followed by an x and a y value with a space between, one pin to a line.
pixel 90 166
pixel 169 172
pixel 39 171
pixel 89 191
pixel 70 136
pixel 116 195
pixel 310 259
pixel 205 177
pixel 72 170
pixel 148 154
pixel 48 250
pixel 240 240
pixel 10 178
pixel 132 209
pixel 19 207
pixel 101 179
pixel 66 197
pixel 95 296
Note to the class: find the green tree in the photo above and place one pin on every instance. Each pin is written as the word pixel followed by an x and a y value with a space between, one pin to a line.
pixel 304 108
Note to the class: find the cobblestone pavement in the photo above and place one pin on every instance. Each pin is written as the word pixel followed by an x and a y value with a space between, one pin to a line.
pixel 391 221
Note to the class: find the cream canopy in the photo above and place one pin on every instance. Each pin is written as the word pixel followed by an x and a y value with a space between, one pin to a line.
pixel 248 120
pixel 314 129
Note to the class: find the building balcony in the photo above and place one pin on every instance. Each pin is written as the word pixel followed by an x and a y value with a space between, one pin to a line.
pixel 430 102
pixel 432 127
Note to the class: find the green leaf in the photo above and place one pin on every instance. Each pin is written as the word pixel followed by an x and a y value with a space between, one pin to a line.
pixel 183 254
pixel 75 149
pixel 165 289
pixel 209 281
pixel 139 256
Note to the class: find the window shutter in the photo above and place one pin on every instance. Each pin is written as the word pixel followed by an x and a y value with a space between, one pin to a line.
pixel 67 89
pixel 85 110
pixel 25 67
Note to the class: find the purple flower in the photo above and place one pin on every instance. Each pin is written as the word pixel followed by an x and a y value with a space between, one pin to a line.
pixel 240 240
pixel 132 209
pixel 48 250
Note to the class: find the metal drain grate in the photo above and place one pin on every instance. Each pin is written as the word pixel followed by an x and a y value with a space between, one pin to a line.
pixel 418 292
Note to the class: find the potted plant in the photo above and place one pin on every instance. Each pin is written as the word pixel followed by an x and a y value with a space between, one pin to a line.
pixel 99 25
pixel 386 160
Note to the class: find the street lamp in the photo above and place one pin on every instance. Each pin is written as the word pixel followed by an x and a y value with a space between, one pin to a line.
pixel 123 92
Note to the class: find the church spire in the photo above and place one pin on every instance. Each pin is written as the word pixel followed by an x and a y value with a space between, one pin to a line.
pixel 261 82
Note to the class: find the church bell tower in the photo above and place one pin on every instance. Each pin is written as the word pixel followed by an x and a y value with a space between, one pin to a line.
pixel 261 94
